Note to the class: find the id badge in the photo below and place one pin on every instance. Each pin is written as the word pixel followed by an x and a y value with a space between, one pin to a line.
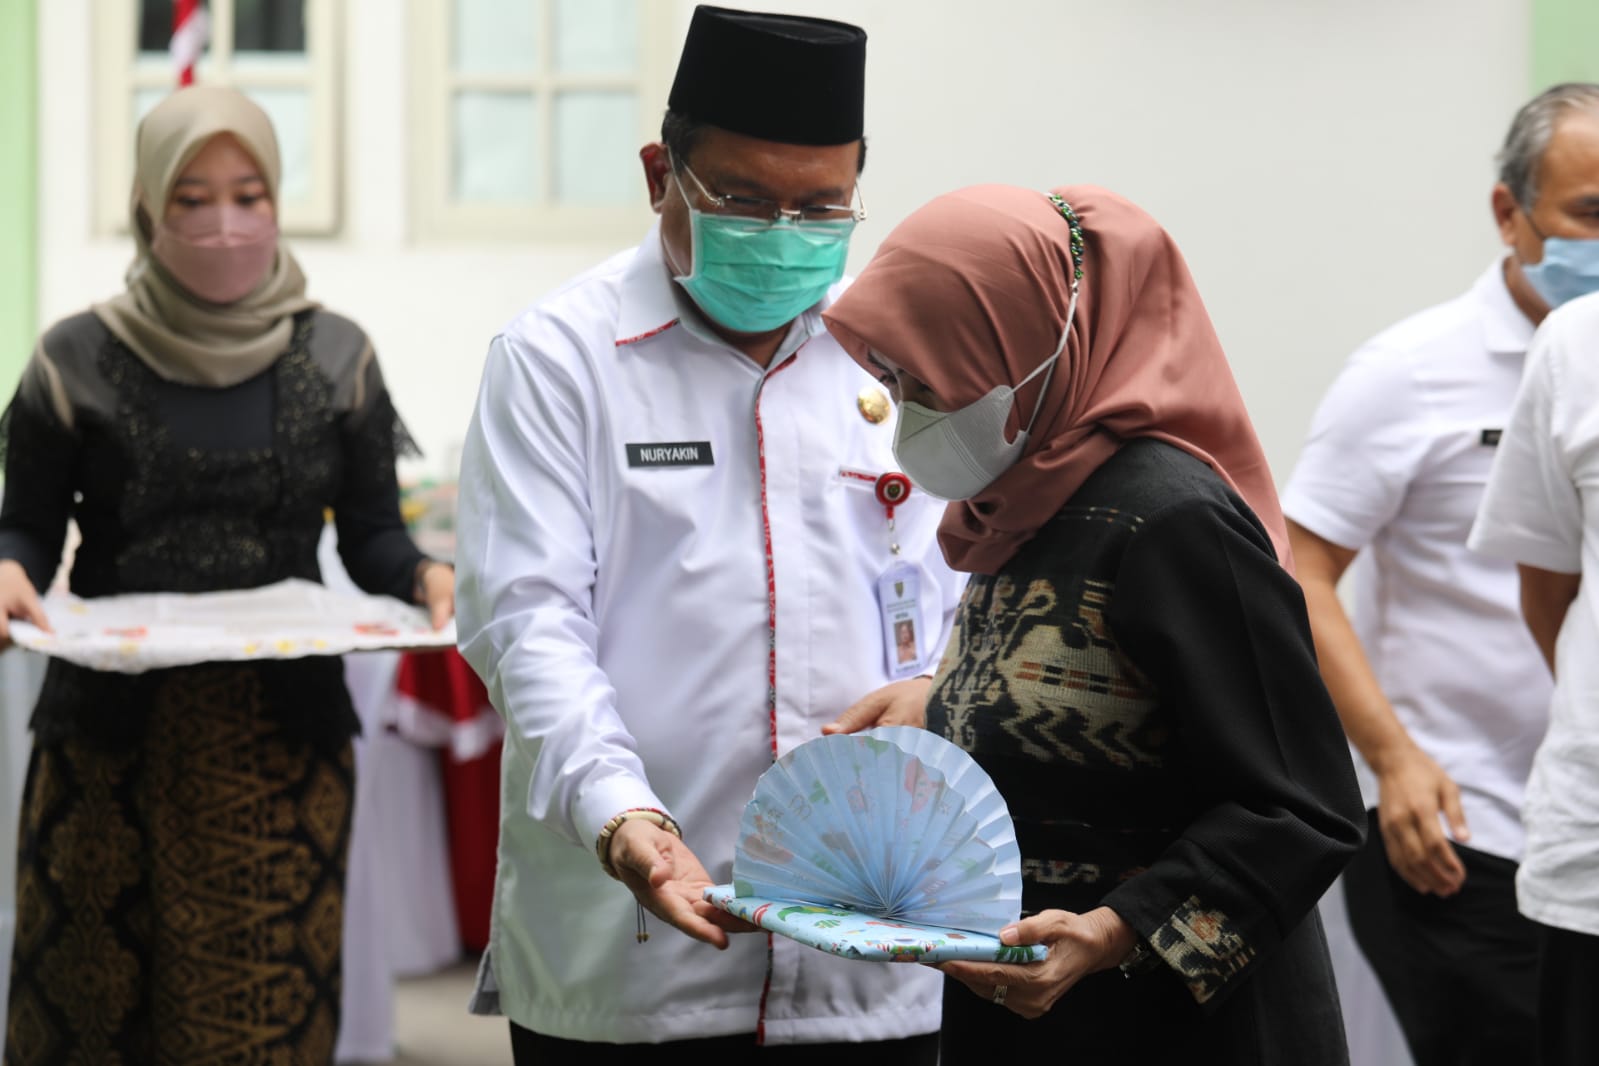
pixel 898 601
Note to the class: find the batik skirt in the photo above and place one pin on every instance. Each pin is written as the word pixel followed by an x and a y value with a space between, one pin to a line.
pixel 180 899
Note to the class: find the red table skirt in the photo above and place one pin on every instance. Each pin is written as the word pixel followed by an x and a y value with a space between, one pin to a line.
pixel 442 703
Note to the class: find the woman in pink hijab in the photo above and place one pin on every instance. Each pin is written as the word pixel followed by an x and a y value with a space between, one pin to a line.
pixel 1131 662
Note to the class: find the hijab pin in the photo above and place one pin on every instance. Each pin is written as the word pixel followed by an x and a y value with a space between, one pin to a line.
pixel 1076 225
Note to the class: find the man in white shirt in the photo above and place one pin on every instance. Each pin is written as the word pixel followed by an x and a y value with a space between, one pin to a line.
pixel 1437 681
pixel 1541 510
pixel 678 502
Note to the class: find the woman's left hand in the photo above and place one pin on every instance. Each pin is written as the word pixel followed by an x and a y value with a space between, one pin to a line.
pixel 1079 944
pixel 436 591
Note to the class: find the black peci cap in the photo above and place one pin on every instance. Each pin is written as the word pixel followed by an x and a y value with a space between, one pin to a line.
pixel 785 78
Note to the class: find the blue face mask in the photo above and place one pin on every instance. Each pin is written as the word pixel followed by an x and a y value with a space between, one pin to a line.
pixel 752 275
pixel 1568 269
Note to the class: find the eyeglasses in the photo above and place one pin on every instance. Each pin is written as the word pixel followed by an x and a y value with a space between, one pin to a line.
pixel 772 211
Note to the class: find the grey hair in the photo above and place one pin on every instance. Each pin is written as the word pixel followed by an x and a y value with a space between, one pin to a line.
pixel 1531 131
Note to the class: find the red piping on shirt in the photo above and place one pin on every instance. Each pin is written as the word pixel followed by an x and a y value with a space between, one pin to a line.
pixel 771 651
pixel 647 335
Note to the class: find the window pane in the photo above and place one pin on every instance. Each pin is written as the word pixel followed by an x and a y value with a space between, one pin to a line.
pixel 596 148
pixel 596 36
pixel 496 36
pixel 155 31
pixel 155 25
pixel 290 111
pixel 495 156
pixel 269 25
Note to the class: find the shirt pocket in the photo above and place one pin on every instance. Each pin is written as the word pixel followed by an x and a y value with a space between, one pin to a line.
pixel 915 517
pixel 677 488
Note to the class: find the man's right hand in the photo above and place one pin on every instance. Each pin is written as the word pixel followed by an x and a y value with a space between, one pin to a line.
pixel 668 880
pixel 18 600
pixel 1412 791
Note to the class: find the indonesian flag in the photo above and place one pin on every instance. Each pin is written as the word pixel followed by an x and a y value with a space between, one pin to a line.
pixel 190 31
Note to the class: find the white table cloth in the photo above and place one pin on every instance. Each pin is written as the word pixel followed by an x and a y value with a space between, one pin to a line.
pixel 21 673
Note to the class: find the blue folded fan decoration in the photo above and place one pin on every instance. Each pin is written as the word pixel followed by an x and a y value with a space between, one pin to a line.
pixel 889 844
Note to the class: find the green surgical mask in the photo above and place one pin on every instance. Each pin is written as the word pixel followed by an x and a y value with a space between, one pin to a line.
pixel 752 275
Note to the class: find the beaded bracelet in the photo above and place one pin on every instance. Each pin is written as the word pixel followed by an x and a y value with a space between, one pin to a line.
pixel 602 846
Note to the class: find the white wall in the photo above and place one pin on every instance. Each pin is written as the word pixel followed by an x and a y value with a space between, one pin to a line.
pixel 1325 166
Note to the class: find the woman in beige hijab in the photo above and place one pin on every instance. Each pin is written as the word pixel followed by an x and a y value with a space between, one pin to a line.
pixel 184 831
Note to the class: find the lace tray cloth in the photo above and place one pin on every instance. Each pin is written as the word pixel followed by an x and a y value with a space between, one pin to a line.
pixel 291 619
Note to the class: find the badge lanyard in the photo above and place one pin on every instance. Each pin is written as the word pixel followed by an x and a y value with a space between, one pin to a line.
pixel 899 589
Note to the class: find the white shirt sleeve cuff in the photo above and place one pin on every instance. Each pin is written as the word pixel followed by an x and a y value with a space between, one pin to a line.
pixel 1324 522
pixel 608 798
pixel 1501 543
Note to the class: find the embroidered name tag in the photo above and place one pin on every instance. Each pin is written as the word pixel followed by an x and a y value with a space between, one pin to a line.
pixel 673 453
pixel 1490 437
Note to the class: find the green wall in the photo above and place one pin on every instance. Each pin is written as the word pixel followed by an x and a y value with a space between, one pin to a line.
pixel 19 261
pixel 1565 42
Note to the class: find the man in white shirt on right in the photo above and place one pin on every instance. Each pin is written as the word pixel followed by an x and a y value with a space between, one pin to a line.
pixel 1440 686
pixel 1542 511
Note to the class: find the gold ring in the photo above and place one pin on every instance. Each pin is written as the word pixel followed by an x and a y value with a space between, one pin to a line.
pixel 999 993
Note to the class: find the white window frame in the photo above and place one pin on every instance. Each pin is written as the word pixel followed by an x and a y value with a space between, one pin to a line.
pixel 438 217
pixel 122 72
